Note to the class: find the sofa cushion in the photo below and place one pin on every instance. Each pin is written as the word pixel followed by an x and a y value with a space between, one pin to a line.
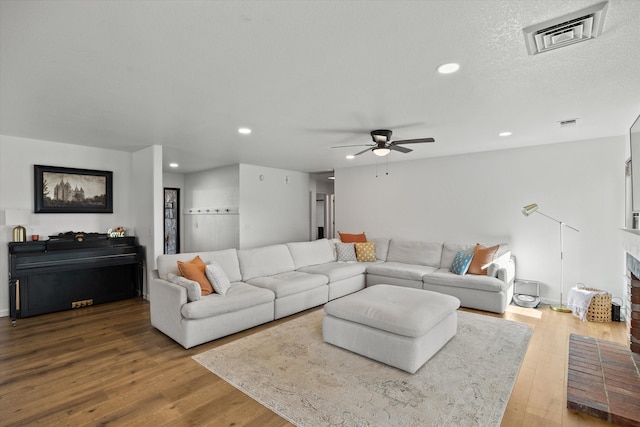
pixel 482 257
pixel 400 270
pixel 346 252
pixel 461 263
pixel 193 288
pixel 228 260
pixel 290 282
pixel 217 278
pixel 352 238
pixel 311 253
pixel 450 250
pixel 265 261
pixel 365 252
pixel 336 271
pixel 382 247
pixel 194 270
pixel 239 296
pixel 444 277
pixel 415 252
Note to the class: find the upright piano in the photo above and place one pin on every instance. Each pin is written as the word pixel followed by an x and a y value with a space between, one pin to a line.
pixel 73 270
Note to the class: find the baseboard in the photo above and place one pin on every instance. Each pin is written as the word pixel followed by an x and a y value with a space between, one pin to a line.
pixel 4 313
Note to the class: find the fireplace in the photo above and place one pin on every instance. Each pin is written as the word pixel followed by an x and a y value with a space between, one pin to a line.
pixel 633 311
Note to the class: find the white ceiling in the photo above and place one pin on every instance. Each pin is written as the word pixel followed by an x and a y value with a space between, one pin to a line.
pixel 308 75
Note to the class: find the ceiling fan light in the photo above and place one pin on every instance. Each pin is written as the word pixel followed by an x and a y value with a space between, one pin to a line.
pixel 381 151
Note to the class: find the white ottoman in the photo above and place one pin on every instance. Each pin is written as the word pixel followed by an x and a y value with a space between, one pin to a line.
pixel 398 326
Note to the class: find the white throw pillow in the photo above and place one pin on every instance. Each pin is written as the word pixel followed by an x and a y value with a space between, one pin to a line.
pixel 193 288
pixel 218 278
pixel 346 252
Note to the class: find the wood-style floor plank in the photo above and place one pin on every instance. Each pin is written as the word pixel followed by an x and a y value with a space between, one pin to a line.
pixel 106 364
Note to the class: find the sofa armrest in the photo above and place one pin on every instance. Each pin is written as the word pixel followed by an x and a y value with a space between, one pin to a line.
pixel 166 301
pixel 505 271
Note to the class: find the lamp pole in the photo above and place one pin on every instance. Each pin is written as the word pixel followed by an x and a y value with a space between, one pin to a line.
pixel 533 208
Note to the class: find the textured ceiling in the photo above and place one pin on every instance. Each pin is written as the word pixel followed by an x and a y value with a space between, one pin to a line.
pixel 308 75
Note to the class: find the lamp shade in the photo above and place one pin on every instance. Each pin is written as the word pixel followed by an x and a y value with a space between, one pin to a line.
pixel 17 217
pixel 529 209
pixel 381 151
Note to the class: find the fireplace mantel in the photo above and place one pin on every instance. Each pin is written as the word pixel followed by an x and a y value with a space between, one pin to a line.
pixel 631 242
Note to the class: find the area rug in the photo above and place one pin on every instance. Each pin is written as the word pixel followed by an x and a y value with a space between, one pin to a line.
pixel 290 370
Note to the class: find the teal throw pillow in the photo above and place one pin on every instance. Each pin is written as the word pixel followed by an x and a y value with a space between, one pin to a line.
pixel 461 263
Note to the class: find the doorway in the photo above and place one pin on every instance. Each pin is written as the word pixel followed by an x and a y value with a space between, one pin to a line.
pixel 325 215
pixel 171 220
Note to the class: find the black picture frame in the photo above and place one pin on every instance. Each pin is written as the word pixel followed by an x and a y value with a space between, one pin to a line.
pixel 71 190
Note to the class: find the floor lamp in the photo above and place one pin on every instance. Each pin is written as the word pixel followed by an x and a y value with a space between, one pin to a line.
pixel 528 210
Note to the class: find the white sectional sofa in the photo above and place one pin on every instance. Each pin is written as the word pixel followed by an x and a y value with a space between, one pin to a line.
pixel 276 281
pixel 426 265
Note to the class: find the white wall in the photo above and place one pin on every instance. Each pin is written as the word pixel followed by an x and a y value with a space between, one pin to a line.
pixel 274 208
pixel 214 187
pixel 477 198
pixel 211 189
pixel 148 204
pixel 17 157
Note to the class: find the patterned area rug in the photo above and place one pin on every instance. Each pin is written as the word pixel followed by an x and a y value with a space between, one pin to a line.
pixel 290 370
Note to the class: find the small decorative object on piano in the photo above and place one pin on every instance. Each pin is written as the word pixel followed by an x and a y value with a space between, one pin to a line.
pixel 116 232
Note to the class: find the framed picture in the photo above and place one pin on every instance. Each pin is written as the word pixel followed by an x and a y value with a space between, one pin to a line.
pixel 69 190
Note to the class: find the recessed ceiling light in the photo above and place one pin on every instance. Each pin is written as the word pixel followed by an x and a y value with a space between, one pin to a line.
pixel 244 131
pixel 351 156
pixel 173 165
pixel 504 133
pixel 449 68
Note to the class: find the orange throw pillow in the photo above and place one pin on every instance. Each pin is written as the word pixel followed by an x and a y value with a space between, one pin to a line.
pixel 482 257
pixel 195 270
pixel 352 238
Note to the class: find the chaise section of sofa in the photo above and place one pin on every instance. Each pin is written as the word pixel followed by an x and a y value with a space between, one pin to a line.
pixel 426 265
pixel 490 292
pixel 212 316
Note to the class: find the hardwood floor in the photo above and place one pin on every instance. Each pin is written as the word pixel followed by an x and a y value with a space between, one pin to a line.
pixel 105 364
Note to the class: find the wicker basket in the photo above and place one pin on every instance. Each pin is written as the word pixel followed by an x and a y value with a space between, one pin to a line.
pixel 600 307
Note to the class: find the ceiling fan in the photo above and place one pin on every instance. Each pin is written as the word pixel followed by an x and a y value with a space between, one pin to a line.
pixel 382 144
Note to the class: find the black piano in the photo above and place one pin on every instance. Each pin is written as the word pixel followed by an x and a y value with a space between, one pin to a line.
pixel 72 270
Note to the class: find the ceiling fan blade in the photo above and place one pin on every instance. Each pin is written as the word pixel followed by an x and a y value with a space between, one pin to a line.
pixel 353 145
pixel 413 141
pixel 362 152
pixel 400 149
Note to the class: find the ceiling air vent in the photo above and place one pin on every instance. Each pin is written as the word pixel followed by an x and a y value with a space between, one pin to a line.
pixel 568 29
pixel 568 123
